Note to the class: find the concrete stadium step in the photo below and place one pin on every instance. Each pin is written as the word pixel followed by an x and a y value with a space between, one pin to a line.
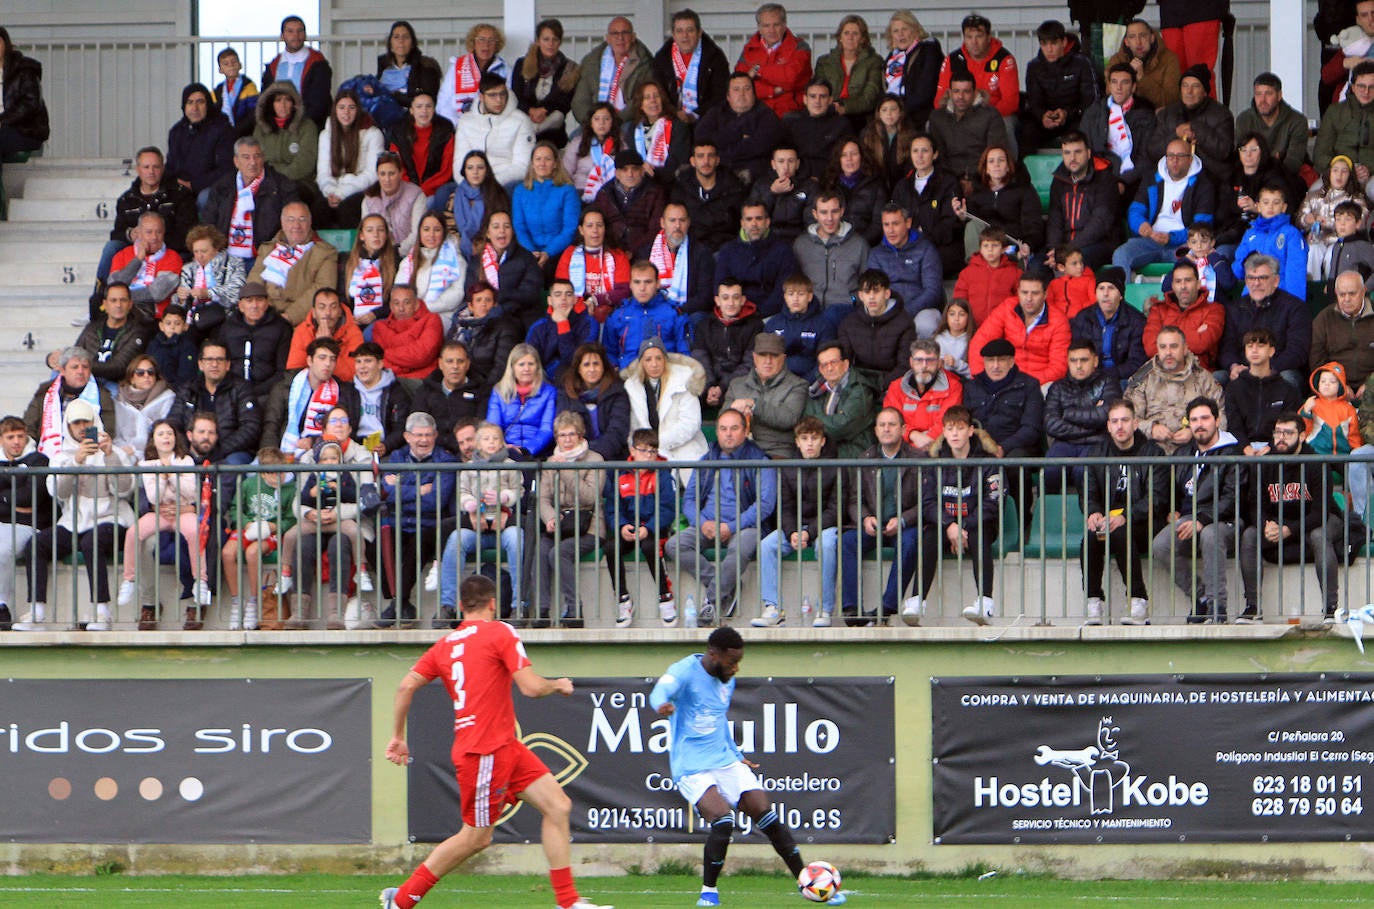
pixel 75 186
pixel 65 264
pixel 55 231
pixel 27 208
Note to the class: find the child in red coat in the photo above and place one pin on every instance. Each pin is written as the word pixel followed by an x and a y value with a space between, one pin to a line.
pixel 990 276
pixel 1075 287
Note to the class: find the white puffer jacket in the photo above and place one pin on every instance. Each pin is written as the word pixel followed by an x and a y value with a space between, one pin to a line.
pixel 507 138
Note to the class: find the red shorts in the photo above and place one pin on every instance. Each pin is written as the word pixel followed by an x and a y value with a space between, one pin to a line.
pixel 488 783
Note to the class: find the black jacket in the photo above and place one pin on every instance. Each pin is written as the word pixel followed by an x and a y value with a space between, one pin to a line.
pixel 806 496
pixel 1082 213
pixel 761 266
pixel 1213 126
pixel 714 214
pixel 200 153
pixel 879 345
pixel 274 193
pixel 1252 405
pixel 786 211
pixel 1205 492
pixel 1012 411
pixel 713 74
pixel 612 429
pixel 257 353
pixel 815 137
pixel 425 76
pixel 25 112
pixel 447 409
pixel 521 293
pixel 1296 496
pixel 240 416
pixel 1128 339
pixel 1077 411
pixel 724 351
pixel 395 407
pixel 174 202
pixel 863 207
pixel 1140 490
pixel 910 480
pixel 920 79
pixel 403 139
pixel 560 94
pixel 964 494
pixel 22 490
pixel 1015 209
pixel 489 341
pixel 1140 122
pixel 745 141
pixel 701 277
pixel 932 213
pixel 1072 83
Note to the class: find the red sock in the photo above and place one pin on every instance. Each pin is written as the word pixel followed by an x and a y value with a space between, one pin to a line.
pixel 564 890
pixel 418 885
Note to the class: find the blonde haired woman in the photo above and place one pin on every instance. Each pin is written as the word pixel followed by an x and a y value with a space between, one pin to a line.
pixel 912 68
pixel 458 88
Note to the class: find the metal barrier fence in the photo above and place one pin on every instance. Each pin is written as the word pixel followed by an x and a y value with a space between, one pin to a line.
pixel 558 558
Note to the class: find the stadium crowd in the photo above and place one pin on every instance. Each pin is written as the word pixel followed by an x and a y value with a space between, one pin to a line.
pixel 653 255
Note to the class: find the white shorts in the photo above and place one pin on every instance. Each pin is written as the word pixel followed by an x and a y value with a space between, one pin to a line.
pixel 733 780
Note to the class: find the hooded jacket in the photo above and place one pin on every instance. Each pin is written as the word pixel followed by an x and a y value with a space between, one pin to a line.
pixel 1082 212
pixel 317 86
pixel 489 342
pixel 411 345
pixel 963 494
pixel 1140 491
pixel 679 407
pixel 643 497
pixel 924 411
pixel 802 335
pixel 24 110
pixel 507 138
pixel 1203 492
pixel 1333 425
pixel 1042 349
pixel 914 270
pixel 293 150
pixel 1195 203
pixel 29 495
pixel 545 216
pixel 346 333
pixel 389 402
pixel 985 286
pixel 1076 409
pixel 878 345
pixel 200 153
pixel 557 341
pixel 1349 339
pixel 994 73
pixel 1298 497
pixel 832 264
pixel 605 414
pixel 634 322
pixel 1276 237
pixel 1160 396
pixel 91 499
pixel 724 348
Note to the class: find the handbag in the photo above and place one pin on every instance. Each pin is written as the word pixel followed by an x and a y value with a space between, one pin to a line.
pixel 574 522
pixel 369 500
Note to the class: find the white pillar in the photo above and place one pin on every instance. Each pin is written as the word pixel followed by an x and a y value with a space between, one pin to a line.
pixel 1287 40
pixel 519 26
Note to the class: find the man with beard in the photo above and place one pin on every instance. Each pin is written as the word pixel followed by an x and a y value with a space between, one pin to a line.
pixel 1076 412
pixel 923 395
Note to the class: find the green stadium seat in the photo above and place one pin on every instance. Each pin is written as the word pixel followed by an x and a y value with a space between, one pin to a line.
pixel 1058 519
pixel 1041 170
pixel 1137 295
pixel 342 240
pixel 1155 270
pixel 21 157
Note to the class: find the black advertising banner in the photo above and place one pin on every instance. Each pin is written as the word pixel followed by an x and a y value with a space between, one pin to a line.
pixel 186 761
pixel 1153 759
pixel 825 749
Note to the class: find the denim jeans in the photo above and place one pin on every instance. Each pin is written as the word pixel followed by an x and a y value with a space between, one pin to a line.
pixel 462 543
pixel 775 548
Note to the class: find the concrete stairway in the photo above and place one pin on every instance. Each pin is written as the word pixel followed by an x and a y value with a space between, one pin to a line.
pixel 59 218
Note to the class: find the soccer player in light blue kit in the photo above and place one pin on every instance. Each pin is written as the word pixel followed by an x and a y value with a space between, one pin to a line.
pixel 708 768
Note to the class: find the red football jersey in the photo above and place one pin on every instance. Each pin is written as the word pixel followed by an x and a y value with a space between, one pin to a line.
pixel 476 661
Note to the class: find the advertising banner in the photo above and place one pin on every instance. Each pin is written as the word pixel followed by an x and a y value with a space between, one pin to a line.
pixel 1152 759
pixel 186 761
pixel 825 749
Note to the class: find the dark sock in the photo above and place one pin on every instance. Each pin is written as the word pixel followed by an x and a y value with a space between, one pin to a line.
pixel 783 844
pixel 717 842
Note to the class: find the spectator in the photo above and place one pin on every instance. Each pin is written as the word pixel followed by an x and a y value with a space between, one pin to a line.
pixel 424 143
pixel 785 193
pixel 449 394
pixel 654 130
pixel 911 71
pixel 1332 425
pixel 1184 307
pixel 808 515
pixel 721 342
pixel 216 390
pixel 877 332
pixel 1161 389
pixel 887 136
pixel 928 193
pixel 843 401
pixel 1284 128
pixel 43 416
pixel 23 115
pixel 400 202
pixel 237 95
pixel 631 203
pixel 570 518
pixel 566 328
pixel 305 68
pixel 992 65
pixel 522 403
pixel 403 69
pixel 665 390
pixel 149 269
pixel 295 264
pixel 953 336
pixel 712 196
pixel 258 340
pixel 1270 307
pixel 1298 520
pixel 1083 200
pixel 475 194
pixel 370 273
pixel 1318 212
pixel 143 398
pixel 347 163
pixel 260 515
pixel 295 414
pixel 498 128
pixel 1273 235
pixel 1074 287
pixel 1123 502
pixel 545 208
pixel 612 70
pixel 1202 522
pixel 726 510
pixel 1343 124
pixel 1256 396
pixel 641 507
pixel 96 510
pixel 590 387
pixel 1350 252
pixel 1156 67
pixel 590 157
pixel 171 346
pixel 1213 270
pixel 691 67
pixel 211 281
pixel 488 334
pixel 290 141
pixel 889 513
pixel 1344 331
pixel 742 129
pixel 771 398
pixel 853 71
pixel 114 339
pixel 802 325
pixel 832 253
pixel 1115 330
pixel 1168 202
pixel 684 267
pixel 385 402
pixel 411 335
pixel 1006 402
pixel 599 273
pixel 854 174
pixel 543 83
pixel 1061 82
pixel 1347 37
pixel 1076 413
pixel 422 500
pixel 647 314
pixel 458 89
pixel 436 267
pixel 1119 126
pixel 152 190
pixel 200 146
pixel 990 276
pixel 760 260
pixel 1201 121
pixel 923 395
pixel 327 319
pixel 25 508
pixel 509 268
pixel 817 128
pixel 776 60
pixel 1038 334
pixel 1002 199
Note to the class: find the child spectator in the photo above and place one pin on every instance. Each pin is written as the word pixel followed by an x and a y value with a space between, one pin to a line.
pixel 1273 234
pixel 172 347
pixel 723 340
pixel 1213 269
pixel 802 325
pixel 1338 186
pixel 642 502
pixel 327 505
pixel 1074 288
pixel 1350 252
pixel 237 95
pixel 260 515
pixel 1333 425
pixel 955 331
pixel 990 276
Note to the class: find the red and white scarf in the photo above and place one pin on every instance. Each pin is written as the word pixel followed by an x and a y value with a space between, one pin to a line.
pixel 1119 138
pixel 241 221
pixel 687 73
pixel 491 265
pixel 672 269
pixel 597 280
pixel 603 168
pixel 365 287
pixel 148 273
pixel 313 407
pixel 609 89
pixel 467 75
pixel 652 141
pixel 51 427
pixel 280 261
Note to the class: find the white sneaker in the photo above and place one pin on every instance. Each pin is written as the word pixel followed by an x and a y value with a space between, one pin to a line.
pixel 200 592
pixel 912 610
pixel 772 615
pixel 584 903
pixel 100 618
pixel 822 620
pixel 667 611
pixel 1139 613
pixel 388 898
pixel 235 615
pixel 980 610
pixel 128 593
pixel 1092 611
pixel 250 615
pixel 625 612
pixel 33 619
pixel 284 585
pixel 432 578
pixel 365 581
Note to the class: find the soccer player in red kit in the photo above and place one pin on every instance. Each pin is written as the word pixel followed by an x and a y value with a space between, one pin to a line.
pixel 477 663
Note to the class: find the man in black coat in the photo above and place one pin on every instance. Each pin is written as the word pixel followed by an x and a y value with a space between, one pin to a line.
pixel 692 68
pixel 229 398
pixel 1076 412
pixel 1060 83
pixel 200 146
pixel 712 196
pixel 449 395
pixel 1083 203
pixel 247 225
pixel 744 130
pixel 258 339
pixel 1116 330
pixel 152 190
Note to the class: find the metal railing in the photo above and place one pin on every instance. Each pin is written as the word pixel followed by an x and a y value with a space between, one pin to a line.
pixel 1034 549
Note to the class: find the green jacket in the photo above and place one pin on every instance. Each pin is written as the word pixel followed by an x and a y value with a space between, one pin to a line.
pixel 257 501
pixel 1287 138
pixel 639 66
pixel 851 425
pixel 865 80
pixel 294 150
pixel 1347 129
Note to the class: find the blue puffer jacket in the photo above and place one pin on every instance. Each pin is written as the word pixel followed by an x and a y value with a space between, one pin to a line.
pixel 1195 206
pixel 413 510
pixel 803 334
pixel 1276 237
pixel 632 322
pixel 545 216
pixel 528 422
pixel 913 269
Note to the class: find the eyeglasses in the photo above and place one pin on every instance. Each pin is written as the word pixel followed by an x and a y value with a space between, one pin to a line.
pixel 1261 277
pixel 1286 433
pixel 829 363
pixel 620 33
pixel 337 421
pixel 295 219
pixel 146 372
pixel 567 434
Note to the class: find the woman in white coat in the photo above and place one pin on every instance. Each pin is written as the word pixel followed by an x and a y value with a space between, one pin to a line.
pixel 346 164
pixel 675 382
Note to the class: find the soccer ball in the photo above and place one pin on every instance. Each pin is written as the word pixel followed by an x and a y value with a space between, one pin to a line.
pixel 819 881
